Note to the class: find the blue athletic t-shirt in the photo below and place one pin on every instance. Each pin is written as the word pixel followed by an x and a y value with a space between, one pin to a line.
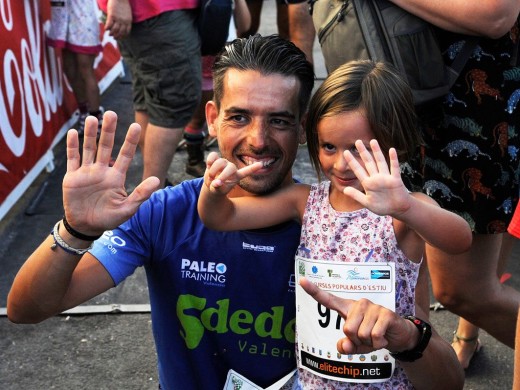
pixel 220 300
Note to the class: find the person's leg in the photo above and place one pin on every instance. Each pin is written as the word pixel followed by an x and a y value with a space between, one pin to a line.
pixel 169 73
pixel 465 341
pixel 159 148
pixel 194 136
pixel 90 86
pixel 282 20
pixel 301 28
pixel 467 285
pixel 88 78
pixel 71 69
pixel 255 9
pixel 516 375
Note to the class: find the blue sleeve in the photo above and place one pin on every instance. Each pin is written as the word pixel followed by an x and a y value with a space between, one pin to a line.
pixel 159 224
pixel 128 246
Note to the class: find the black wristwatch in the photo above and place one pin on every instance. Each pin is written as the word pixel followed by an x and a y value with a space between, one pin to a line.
pixel 416 353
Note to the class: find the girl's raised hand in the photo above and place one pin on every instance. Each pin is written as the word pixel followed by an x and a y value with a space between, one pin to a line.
pixel 384 191
pixel 222 175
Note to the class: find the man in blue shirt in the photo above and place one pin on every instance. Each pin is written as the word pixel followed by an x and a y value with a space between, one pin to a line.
pixel 220 301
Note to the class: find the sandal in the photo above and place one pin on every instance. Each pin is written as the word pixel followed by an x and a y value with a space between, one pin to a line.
pixel 468 340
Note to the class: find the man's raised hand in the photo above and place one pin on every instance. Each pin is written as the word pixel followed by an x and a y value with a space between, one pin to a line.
pixel 94 195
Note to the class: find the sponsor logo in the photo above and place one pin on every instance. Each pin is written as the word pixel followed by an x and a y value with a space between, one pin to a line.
pixel 379 274
pixel 257 248
pixel 196 318
pixel 354 274
pixel 112 242
pixel 207 272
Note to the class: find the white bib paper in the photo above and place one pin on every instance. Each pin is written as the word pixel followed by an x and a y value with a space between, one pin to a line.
pixel 319 328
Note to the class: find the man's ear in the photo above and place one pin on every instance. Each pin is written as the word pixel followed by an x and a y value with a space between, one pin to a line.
pixel 211 117
pixel 302 137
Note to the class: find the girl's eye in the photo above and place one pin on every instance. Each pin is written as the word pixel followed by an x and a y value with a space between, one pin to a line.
pixel 354 150
pixel 328 147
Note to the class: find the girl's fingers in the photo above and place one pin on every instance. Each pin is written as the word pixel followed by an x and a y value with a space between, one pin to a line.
pixel 355 166
pixel 382 165
pixel 395 169
pixel 366 156
pixel 249 170
pixel 212 157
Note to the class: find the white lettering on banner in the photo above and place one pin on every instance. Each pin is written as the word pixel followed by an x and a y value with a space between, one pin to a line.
pixel 7 15
pixel 40 89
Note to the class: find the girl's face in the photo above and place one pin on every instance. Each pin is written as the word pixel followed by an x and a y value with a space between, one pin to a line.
pixel 335 135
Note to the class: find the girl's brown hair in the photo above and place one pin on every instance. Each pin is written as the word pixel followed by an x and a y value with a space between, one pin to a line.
pixel 378 90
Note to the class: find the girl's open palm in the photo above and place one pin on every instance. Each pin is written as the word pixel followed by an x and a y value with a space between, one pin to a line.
pixel 384 191
pixel 94 195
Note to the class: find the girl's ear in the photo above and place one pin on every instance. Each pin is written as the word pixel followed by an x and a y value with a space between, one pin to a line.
pixel 302 138
pixel 211 117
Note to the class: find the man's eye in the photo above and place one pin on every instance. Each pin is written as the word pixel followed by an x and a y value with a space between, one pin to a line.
pixel 237 118
pixel 280 122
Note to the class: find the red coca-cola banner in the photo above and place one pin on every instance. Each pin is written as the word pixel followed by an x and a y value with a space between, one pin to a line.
pixel 36 103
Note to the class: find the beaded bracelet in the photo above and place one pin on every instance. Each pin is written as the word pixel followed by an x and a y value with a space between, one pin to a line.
pixel 77 234
pixel 58 241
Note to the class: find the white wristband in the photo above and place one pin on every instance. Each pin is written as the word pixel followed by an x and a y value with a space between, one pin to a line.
pixel 58 241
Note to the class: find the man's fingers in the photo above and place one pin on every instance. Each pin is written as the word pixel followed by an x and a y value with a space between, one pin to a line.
pixel 326 299
pixel 143 191
pixel 106 139
pixel 73 156
pixel 90 140
pixel 127 151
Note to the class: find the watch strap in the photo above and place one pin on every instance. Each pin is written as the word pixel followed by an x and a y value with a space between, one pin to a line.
pixel 425 331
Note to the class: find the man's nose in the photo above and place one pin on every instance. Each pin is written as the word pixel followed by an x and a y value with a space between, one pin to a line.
pixel 258 135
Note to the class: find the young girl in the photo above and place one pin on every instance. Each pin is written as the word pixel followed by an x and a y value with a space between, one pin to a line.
pixel 363 212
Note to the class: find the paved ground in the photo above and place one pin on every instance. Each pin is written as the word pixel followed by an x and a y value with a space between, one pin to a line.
pixel 116 351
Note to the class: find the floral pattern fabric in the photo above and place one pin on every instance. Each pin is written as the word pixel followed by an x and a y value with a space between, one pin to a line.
pixel 356 236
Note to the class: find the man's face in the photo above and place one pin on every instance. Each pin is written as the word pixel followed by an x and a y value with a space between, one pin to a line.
pixel 258 120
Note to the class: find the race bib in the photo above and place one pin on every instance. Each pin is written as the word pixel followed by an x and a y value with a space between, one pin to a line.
pixel 319 328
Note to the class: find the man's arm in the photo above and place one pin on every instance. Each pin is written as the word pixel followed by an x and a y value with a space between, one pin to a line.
pixel 54 278
pixel 52 281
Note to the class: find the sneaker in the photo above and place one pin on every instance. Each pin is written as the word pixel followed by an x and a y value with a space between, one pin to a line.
pixel 81 123
pixel 209 141
pixel 197 169
pixel 99 116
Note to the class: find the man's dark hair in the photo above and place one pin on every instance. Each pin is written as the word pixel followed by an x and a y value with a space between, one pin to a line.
pixel 267 55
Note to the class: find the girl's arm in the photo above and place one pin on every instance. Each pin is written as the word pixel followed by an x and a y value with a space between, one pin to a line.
pixel 385 194
pixel 438 227
pixel 220 212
